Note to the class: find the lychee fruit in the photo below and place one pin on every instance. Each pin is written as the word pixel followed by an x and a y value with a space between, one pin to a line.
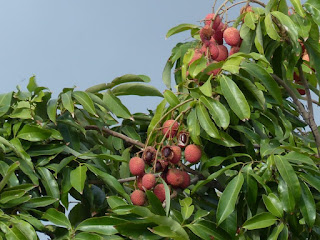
pixel 246 9
pixel 170 128
pixel 234 50
pixel 214 51
pixel 218 36
pixel 205 33
pixel 176 154
pixel 223 53
pixel 136 166
pixel 148 181
pixel 183 139
pixel 174 177
pixel 197 55
pixel 149 154
pixel 138 197
pixel 139 183
pixel 208 20
pixel 160 192
pixel 192 153
pixel 203 49
pixel 232 36
pixel 167 153
pixel 186 180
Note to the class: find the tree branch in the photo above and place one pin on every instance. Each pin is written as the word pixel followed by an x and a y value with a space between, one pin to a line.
pixel 116 134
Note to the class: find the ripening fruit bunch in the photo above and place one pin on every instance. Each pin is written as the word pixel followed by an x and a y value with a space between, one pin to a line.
pixel 165 163
pixel 213 36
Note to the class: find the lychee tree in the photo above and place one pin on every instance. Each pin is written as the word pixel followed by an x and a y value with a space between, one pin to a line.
pixel 231 152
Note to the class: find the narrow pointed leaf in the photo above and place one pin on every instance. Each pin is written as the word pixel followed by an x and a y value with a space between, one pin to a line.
pixel 114 104
pixel 138 89
pixel 84 99
pixel 205 122
pixel 273 204
pixel 67 102
pixel 261 220
pixel 180 28
pixel 78 177
pixel 308 206
pixel 57 217
pixel 171 98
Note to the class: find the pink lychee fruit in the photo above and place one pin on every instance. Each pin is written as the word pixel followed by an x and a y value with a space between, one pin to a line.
pixel 136 166
pixel 138 197
pixel 192 153
pixel 160 192
pixel 170 128
pixel 186 180
pixel 148 181
pixel 234 50
pixel 232 36
pixel 223 53
pixel 174 177
pixel 176 154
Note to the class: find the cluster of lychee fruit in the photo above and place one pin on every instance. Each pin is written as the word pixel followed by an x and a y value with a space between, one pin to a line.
pixel 163 162
pixel 213 35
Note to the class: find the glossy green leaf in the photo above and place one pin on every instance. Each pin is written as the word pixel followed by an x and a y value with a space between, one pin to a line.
pixel 33 133
pixel 275 232
pixel 313 7
pixel 171 98
pixel 271 28
pixel 303 24
pixel 286 196
pixel 166 74
pixel 57 218
pixel 232 64
pixel 307 205
pixel 229 198
pixel 289 176
pixel 313 49
pixel 156 206
pixel 235 98
pixel 262 75
pixel 8 174
pixel 186 208
pixel 273 204
pixel 310 179
pixel 217 110
pixel 101 225
pixel 78 177
pixel 258 40
pixel 298 7
pixel 5 103
pixel 193 126
pixel 261 220
pixel 180 28
pixel 21 230
pixel 206 88
pixel 49 183
pixel 206 230
pixel 87 236
pixel 110 181
pixel 39 202
pixel 138 89
pixel 299 158
pixel 115 105
pixel 168 199
pixel 67 101
pixel 250 20
pixel 115 201
pixel 157 116
pixel 10 195
pixel 84 99
pixel 205 121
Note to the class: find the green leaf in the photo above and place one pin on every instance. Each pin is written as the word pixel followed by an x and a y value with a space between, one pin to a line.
pixel 313 181
pixel 155 204
pixel 232 64
pixel 110 181
pixel 262 75
pixel 206 230
pixel 286 196
pixel 289 176
pixel 84 99
pixel 298 7
pixel 138 89
pixel 164 231
pixel 235 98
pixel 307 205
pixel 171 98
pixel 32 85
pixel 193 126
pixel 157 116
pixel 250 20
pixel 271 28
pixel 167 200
pixel 217 110
pixel 275 232
pixel 39 202
pixel 180 28
pixel 57 218
pixel 87 236
pixel 78 177
pixel 52 109
pixel 49 183
pixel 205 122
pixel 273 204
pixel 8 174
pixel 313 49
pixel 166 74
pixel 229 198
pixel 10 195
pixel 67 102
pixel 186 208
pixel 22 230
pixel 299 158
pixel 206 88
pixel 33 133
pixel 261 220
pixel 5 103
pixel 313 7
pixel 258 40
pixel 115 201
pixel 101 225
pixel 303 24
pixel 114 104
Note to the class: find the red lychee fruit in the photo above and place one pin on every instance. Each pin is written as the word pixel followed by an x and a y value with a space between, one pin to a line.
pixel 186 180
pixel 209 18
pixel 234 50
pixel 167 153
pixel 214 72
pixel 218 36
pixel 214 51
pixel 160 192
pixel 197 55
pixel 203 49
pixel 192 153
pixel 138 197
pixel 223 53
pixel 176 154
pixel 174 177
pixel 148 181
pixel 136 166
pixel 232 36
pixel 205 33
pixel 149 154
pixel 183 139
pixel 301 91
pixel 170 128
pixel 246 9
pixel 139 183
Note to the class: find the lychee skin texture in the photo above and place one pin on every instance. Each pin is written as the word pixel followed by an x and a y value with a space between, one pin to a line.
pixel 138 197
pixel 148 181
pixel 174 177
pixel 232 36
pixel 209 18
pixel 176 154
pixel 174 125
pixel 192 153
pixel 159 191
pixel 234 50
pixel 214 51
pixel 186 180
pixel 139 183
pixel 223 53
pixel 136 166
pixel 205 33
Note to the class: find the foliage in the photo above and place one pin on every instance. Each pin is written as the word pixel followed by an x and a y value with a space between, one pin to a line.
pixel 258 177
